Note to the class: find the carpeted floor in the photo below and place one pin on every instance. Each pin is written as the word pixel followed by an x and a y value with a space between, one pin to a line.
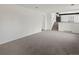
pixel 43 43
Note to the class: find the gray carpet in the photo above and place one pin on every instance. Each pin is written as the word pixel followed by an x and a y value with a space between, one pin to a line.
pixel 43 43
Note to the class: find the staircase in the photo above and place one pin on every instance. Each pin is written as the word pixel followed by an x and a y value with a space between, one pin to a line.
pixel 55 26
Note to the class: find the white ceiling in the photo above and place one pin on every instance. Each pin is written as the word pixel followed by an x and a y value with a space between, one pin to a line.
pixel 51 7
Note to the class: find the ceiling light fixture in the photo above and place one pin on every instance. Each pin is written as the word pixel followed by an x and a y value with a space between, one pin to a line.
pixel 72 4
pixel 36 7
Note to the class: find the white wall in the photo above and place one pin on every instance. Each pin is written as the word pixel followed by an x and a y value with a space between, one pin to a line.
pixel 44 23
pixel 70 27
pixel 17 22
